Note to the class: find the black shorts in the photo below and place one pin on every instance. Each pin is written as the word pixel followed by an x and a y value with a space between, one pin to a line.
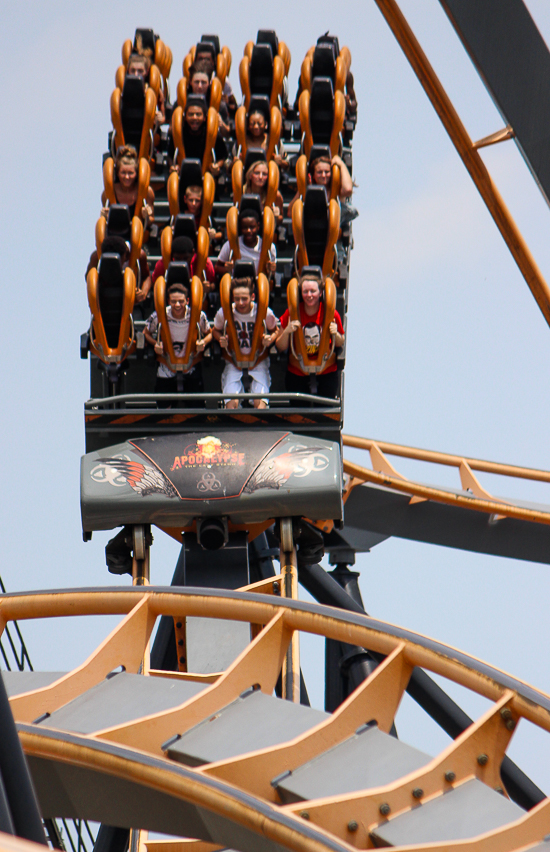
pixel 328 384
pixel 192 383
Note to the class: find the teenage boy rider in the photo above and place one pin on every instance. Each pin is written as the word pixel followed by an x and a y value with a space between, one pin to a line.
pixel 178 316
pixel 245 309
pixel 250 245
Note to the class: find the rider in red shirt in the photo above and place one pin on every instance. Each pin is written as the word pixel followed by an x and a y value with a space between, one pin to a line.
pixel 312 312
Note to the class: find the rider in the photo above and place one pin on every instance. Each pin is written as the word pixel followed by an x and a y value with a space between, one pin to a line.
pixel 178 316
pixel 250 245
pixel 244 310
pixel 312 312
pixel 182 249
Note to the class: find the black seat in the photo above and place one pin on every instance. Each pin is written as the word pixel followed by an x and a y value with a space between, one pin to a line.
pixel 321 110
pixel 253 155
pixel 148 39
pixel 315 224
pixel 251 202
pixel 330 39
pixel 119 223
pixel 268 37
pixel 110 295
pixel 319 151
pixel 260 103
pixel 132 110
pixel 213 40
pixel 196 100
pixel 178 273
pixel 261 70
pixel 244 269
pixel 184 226
pixel 207 46
pixel 324 62
pixel 311 271
pixel 190 175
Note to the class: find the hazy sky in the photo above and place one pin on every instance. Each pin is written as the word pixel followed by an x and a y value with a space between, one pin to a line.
pixel 447 348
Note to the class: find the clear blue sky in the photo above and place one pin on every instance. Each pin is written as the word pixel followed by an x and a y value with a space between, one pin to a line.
pixel 446 347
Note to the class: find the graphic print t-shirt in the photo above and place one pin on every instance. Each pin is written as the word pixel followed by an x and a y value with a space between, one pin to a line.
pixel 179 329
pixel 244 325
pixel 312 327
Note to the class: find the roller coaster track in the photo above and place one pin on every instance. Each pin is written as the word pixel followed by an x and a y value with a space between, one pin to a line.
pixel 473 495
pixel 221 759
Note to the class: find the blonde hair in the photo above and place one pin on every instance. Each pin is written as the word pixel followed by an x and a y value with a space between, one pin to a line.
pixel 128 155
pixel 247 188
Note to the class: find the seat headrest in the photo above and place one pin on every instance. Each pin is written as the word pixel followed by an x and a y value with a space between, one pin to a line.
pixel 260 103
pixel 250 201
pixel 311 272
pixel 109 270
pixel 315 202
pixel 119 223
pixel 254 155
pixel 196 100
pixel 190 174
pixel 324 62
pixel 213 40
pixel 261 69
pixel 133 91
pixel 178 273
pixel 322 89
pixel 330 39
pixel 268 37
pixel 262 53
pixel 148 39
pixel 206 47
pixel 321 109
pixel 184 226
pixel 319 151
pixel 244 269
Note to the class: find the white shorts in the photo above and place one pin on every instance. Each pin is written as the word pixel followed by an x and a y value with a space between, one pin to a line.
pixel 232 378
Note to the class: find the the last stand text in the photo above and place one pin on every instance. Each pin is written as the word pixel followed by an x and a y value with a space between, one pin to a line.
pixel 215 459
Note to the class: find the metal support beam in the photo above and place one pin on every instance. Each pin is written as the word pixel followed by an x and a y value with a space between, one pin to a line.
pixel 261 557
pixel 6 821
pixel 112 839
pixel 468 153
pixel 19 790
pixel 512 59
pixel 289 570
pixel 346 666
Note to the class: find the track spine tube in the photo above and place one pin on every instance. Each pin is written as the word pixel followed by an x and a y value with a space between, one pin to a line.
pixel 18 786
